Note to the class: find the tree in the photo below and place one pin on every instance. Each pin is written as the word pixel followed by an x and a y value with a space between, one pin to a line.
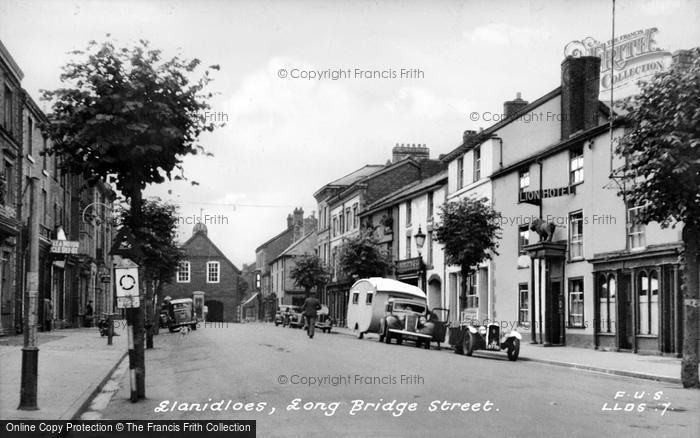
pixel 469 229
pixel 308 272
pixel 161 254
pixel 360 257
pixel 661 148
pixel 127 113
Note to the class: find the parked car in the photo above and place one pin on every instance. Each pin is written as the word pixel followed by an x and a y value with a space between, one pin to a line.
pixel 406 319
pixel 296 318
pixel 282 315
pixel 324 321
pixel 470 338
pixel 182 314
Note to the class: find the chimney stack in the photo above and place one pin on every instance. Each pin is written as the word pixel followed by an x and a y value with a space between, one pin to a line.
pixel 416 151
pixel 580 86
pixel 511 107
pixel 298 224
pixel 468 134
pixel 290 221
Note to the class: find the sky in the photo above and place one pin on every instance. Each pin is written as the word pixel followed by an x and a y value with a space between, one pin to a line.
pixel 287 136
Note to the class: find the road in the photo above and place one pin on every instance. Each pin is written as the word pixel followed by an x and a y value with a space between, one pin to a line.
pixel 269 368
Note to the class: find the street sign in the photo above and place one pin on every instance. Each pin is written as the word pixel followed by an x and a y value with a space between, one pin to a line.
pixel 64 246
pixel 127 283
pixel 125 245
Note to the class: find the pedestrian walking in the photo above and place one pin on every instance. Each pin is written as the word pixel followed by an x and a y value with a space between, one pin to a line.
pixel 309 309
pixel 48 314
pixel 88 314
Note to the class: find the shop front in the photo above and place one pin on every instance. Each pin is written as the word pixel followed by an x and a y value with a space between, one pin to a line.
pixel 638 301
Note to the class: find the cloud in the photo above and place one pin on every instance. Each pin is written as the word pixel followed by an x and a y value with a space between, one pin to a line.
pixel 502 34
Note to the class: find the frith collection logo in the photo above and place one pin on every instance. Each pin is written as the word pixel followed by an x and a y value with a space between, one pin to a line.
pixel 634 57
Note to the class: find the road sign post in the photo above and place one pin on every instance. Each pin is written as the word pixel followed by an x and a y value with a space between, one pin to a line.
pixel 126 280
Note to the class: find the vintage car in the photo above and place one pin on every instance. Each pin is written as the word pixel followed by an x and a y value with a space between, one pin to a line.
pixel 408 320
pixel 182 314
pixel 296 318
pixel 485 337
pixel 324 321
pixel 282 315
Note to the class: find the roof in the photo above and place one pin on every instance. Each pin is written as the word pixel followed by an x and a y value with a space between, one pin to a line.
pixel 352 177
pixel 389 285
pixel 486 133
pixel 414 188
pixel 293 246
pixel 279 236
pixel 252 297
pixel 11 64
pixel 216 249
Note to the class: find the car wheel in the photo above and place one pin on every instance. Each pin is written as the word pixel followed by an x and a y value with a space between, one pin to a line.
pixel 171 329
pixel 426 344
pixel 387 336
pixel 399 339
pixel 194 326
pixel 514 350
pixel 468 344
pixel 418 343
pixel 276 323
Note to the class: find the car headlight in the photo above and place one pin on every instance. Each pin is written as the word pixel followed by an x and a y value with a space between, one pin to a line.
pixel 422 320
pixel 482 330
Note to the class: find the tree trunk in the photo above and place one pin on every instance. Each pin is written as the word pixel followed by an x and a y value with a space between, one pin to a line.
pixel 463 288
pixel 148 311
pixel 691 284
pixel 157 300
pixel 138 313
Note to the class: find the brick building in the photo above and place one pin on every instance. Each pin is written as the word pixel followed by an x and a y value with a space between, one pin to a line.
pixel 204 268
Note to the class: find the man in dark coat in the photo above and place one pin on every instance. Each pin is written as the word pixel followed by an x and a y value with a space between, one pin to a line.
pixel 309 309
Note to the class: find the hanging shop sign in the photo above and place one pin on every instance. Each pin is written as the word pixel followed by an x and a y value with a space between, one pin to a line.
pixel 535 196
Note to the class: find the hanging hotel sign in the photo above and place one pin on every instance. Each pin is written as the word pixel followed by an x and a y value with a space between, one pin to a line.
pixel 634 57
pixel 535 197
pixel 64 246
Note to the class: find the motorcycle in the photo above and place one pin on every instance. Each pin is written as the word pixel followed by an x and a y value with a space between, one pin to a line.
pixel 103 326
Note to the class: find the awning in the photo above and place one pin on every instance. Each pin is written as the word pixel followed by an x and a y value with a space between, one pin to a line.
pixel 251 299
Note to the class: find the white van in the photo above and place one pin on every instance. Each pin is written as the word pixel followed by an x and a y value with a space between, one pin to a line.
pixel 368 298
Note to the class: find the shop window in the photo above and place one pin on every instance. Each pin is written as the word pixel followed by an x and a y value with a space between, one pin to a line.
pixel 183 272
pixel 576 235
pixel 607 290
pixel 213 272
pixel 576 302
pixel 523 305
pixel 648 303
pixel 576 166
pixel 636 231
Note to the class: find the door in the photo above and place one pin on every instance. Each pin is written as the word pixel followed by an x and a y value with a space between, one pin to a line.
pixel 626 331
pixel 556 312
pixel 215 310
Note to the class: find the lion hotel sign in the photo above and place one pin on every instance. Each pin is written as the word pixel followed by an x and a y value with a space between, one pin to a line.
pixel 635 56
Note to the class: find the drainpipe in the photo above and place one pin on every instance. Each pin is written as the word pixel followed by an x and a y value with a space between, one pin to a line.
pixel 500 150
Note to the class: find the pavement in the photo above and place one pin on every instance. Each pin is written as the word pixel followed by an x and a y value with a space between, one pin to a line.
pixel 658 368
pixel 73 366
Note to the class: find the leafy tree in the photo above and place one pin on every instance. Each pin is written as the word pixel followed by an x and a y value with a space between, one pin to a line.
pixel 127 113
pixel 661 148
pixel 308 272
pixel 360 257
pixel 161 253
pixel 469 229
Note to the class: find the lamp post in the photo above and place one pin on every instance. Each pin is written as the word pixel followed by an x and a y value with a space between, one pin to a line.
pixel 420 241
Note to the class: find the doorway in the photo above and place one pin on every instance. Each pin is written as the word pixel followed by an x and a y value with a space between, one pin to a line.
pixel 624 297
pixel 555 313
pixel 215 311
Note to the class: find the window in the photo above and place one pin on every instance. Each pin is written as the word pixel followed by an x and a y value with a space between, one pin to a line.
pixel 183 272
pixel 576 166
pixel 523 305
pixel 429 241
pixel 607 289
pixel 408 247
pixel 8 110
pixel 355 297
pixel 30 135
pixel 45 157
pixel 44 207
pixel 460 172
pixel 576 302
pixel 9 183
pixel 213 272
pixel 368 298
pixel 635 229
pixel 576 235
pixel 472 292
pixel 431 207
pixel 523 238
pixel 335 226
pixel 409 214
pixel 348 219
pixel 341 225
pixel 354 217
pixel 524 179
pixel 648 311
pixel 477 163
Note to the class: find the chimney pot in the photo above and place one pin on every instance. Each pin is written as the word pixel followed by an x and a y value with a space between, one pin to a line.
pixel 580 87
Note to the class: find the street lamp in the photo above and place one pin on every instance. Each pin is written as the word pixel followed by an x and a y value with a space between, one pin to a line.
pixel 420 241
